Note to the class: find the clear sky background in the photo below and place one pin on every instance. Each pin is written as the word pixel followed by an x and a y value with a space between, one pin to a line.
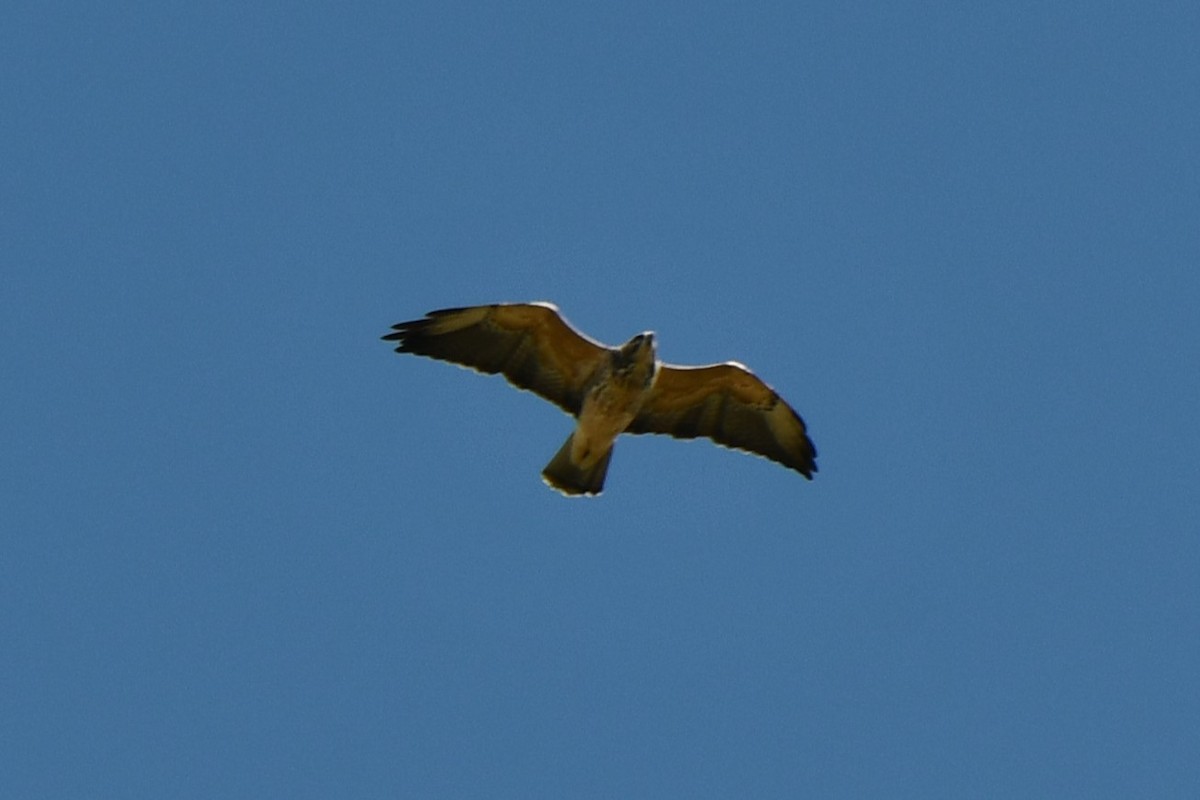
pixel 247 551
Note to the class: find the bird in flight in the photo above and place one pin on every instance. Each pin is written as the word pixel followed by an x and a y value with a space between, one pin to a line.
pixel 610 390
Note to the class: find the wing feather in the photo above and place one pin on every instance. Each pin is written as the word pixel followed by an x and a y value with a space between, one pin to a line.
pixel 531 344
pixel 730 405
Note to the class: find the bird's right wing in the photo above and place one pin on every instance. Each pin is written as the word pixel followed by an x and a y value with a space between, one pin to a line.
pixel 531 344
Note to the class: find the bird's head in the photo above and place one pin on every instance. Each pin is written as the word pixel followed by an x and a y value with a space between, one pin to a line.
pixel 638 348
pixel 637 354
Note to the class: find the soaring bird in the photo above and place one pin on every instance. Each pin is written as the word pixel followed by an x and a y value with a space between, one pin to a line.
pixel 610 390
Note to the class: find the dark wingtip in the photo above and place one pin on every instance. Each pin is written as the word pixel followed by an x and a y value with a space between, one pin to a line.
pixel 402 330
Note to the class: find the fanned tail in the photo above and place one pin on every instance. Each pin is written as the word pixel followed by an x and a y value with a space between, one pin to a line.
pixel 571 479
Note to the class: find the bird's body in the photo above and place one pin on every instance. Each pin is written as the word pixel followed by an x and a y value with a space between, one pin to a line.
pixel 615 393
pixel 610 390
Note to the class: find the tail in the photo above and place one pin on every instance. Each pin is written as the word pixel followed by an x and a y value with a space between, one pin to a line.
pixel 569 478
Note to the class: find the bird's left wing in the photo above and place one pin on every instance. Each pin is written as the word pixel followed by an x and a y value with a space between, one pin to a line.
pixel 730 405
pixel 529 343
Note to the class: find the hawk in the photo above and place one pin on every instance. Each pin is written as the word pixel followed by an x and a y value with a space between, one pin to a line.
pixel 610 390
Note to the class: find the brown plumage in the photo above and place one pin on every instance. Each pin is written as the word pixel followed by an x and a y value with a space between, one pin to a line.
pixel 610 390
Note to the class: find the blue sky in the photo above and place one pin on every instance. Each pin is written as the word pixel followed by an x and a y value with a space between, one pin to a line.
pixel 249 551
